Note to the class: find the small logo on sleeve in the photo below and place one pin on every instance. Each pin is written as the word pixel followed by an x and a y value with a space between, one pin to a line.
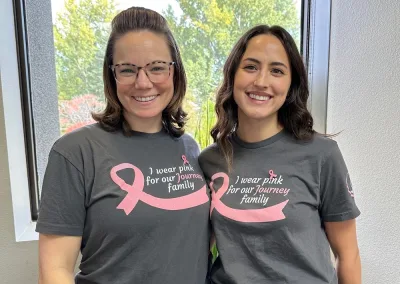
pixel 349 185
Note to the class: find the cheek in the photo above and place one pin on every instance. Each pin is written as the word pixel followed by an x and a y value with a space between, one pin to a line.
pixel 242 80
pixel 282 87
pixel 123 89
pixel 170 83
pixel 240 83
pixel 171 86
pixel 236 92
pixel 168 87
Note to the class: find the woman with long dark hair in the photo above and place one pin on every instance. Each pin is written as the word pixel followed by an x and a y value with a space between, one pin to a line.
pixel 281 193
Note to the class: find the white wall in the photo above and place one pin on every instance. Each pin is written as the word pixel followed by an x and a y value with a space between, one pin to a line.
pixel 18 261
pixel 364 101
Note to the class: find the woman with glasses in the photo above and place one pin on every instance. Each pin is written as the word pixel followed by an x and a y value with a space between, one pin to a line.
pixel 281 193
pixel 127 191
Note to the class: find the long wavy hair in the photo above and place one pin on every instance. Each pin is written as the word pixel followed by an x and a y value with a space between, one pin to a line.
pixel 293 115
pixel 140 19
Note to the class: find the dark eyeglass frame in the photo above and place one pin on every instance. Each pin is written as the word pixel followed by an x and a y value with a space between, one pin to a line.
pixel 112 67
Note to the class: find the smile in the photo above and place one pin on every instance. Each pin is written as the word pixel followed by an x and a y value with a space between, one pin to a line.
pixel 145 99
pixel 258 97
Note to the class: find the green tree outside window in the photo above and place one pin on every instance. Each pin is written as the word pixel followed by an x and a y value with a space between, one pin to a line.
pixel 206 31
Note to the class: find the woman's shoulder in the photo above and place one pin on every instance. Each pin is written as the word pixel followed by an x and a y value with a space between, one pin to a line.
pixel 324 141
pixel 211 148
pixel 320 145
pixel 210 152
pixel 190 144
pixel 77 139
pixel 315 141
pixel 187 138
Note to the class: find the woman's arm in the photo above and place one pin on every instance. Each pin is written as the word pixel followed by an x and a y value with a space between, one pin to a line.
pixel 57 258
pixel 342 237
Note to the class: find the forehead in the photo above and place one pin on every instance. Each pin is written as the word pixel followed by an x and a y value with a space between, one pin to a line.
pixel 140 48
pixel 266 47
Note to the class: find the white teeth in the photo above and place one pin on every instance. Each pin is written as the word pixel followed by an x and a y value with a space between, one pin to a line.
pixel 259 98
pixel 145 99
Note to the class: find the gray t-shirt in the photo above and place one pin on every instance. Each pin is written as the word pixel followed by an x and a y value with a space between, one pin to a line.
pixel 140 204
pixel 268 214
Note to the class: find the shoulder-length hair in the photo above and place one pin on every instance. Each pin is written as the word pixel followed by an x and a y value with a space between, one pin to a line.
pixel 293 115
pixel 131 20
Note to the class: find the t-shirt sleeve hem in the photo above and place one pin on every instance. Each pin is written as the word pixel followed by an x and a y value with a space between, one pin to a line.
pixel 59 230
pixel 342 216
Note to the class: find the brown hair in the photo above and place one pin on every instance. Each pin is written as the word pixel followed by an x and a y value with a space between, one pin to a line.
pixel 293 115
pixel 138 19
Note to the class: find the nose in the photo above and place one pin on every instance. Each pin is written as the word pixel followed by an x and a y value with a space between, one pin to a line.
pixel 262 80
pixel 142 81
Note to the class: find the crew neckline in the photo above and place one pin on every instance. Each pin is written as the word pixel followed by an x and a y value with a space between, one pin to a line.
pixel 259 144
pixel 160 133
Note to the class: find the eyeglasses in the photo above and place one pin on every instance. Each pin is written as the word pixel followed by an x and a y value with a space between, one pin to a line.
pixel 156 71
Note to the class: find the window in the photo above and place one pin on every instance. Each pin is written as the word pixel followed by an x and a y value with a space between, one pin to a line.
pixel 54 70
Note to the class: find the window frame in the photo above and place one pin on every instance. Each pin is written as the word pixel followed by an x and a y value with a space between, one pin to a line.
pixel 13 110
pixel 25 86
pixel 316 51
pixel 17 101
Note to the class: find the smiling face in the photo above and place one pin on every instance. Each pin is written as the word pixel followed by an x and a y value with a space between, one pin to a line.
pixel 143 101
pixel 262 80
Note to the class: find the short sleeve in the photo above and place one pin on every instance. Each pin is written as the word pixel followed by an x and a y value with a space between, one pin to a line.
pixel 62 203
pixel 337 196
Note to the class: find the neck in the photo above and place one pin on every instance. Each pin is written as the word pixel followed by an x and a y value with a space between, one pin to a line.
pixel 256 130
pixel 146 125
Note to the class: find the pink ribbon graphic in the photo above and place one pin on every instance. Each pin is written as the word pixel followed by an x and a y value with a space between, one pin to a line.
pixel 271 174
pixel 185 161
pixel 136 193
pixel 268 214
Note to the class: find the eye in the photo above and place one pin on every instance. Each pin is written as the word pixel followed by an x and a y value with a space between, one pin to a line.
pixel 277 71
pixel 250 67
pixel 157 69
pixel 127 70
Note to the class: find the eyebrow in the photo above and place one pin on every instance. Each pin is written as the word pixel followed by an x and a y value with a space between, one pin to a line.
pixel 274 63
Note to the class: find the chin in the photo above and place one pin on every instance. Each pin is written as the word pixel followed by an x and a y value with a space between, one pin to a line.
pixel 258 117
pixel 255 115
pixel 147 114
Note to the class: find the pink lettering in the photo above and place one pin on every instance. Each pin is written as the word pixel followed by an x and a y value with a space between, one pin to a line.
pixel 268 214
pixel 135 193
